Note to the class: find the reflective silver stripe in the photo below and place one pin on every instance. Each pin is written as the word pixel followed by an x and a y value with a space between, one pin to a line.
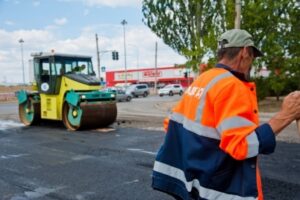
pixel 203 97
pixel 237 122
pixel 195 127
pixel 253 145
pixel 203 192
pixel 234 122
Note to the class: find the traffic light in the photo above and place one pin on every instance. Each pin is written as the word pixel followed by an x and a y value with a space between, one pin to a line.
pixel 185 74
pixel 115 55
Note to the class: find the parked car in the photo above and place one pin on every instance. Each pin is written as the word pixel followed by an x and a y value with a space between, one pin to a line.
pixel 137 90
pixel 170 90
pixel 120 94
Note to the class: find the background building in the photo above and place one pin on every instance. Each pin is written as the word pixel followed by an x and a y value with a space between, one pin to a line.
pixel 163 75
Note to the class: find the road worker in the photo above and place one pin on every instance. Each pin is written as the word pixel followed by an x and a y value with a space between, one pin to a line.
pixel 213 134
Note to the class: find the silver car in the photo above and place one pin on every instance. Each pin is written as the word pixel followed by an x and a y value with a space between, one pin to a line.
pixel 120 94
pixel 137 90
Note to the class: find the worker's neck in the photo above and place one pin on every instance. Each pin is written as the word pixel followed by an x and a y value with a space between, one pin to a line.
pixel 233 64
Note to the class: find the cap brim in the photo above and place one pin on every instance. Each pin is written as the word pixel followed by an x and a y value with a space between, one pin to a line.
pixel 257 53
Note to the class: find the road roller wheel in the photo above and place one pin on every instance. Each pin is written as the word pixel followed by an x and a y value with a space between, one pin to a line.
pixel 71 117
pixel 29 112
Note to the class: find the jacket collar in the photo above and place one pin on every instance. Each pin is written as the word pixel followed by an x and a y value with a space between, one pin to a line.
pixel 239 75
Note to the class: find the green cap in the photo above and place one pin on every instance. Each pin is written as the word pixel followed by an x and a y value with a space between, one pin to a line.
pixel 238 38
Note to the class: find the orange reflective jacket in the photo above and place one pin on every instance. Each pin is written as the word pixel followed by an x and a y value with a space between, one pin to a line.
pixel 217 117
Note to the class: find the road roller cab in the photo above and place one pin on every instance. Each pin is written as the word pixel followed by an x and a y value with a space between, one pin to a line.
pixel 67 90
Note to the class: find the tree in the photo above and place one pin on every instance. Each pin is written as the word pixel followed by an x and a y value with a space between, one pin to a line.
pixel 186 26
pixel 191 28
pixel 274 26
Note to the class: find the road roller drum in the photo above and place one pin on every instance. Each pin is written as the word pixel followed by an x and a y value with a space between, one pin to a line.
pixel 89 115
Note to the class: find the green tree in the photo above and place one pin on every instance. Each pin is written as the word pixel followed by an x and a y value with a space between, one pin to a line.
pixel 277 84
pixel 275 27
pixel 189 27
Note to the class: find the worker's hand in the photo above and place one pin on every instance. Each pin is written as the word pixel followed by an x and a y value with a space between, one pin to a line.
pixel 291 105
pixel 290 111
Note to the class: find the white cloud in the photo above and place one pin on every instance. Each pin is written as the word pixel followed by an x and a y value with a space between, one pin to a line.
pixel 10 54
pixel 61 21
pixel 86 12
pixel 9 23
pixel 110 3
pixel 113 3
pixel 36 3
pixel 140 48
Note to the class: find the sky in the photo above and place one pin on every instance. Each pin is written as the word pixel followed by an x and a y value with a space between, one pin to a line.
pixel 69 26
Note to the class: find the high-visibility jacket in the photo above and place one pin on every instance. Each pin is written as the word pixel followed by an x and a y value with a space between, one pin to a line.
pixel 213 140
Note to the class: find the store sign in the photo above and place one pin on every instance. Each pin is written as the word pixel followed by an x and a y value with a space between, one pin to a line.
pixel 121 76
pixel 152 73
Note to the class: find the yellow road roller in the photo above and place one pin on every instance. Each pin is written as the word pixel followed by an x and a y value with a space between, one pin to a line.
pixel 66 88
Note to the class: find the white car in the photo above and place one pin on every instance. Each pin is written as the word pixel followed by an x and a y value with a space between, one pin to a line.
pixel 170 90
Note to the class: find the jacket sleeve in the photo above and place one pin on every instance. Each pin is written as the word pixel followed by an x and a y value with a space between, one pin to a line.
pixel 240 136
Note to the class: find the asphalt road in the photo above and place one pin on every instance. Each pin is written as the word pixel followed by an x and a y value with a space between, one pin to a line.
pixel 47 162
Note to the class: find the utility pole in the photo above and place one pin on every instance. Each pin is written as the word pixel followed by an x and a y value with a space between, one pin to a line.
pixel 155 83
pixel 98 58
pixel 124 22
pixel 21 41
pixel 237 21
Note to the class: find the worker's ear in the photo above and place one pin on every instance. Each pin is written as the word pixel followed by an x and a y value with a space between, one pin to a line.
pixel 240 55
pixel 247 52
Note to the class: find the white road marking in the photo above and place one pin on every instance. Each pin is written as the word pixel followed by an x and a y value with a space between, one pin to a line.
pixel 130 182
pixel 154 128
pixel 142 151
pixel 82 157
pixel 12 156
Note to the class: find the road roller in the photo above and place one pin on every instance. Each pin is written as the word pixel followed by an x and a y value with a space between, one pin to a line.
pixel 66 88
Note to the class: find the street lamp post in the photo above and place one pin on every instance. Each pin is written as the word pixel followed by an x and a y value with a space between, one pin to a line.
pixel 21 41
pixel 124 22
pixel 98 58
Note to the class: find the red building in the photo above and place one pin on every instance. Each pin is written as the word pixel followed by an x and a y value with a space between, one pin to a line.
pixel 163 75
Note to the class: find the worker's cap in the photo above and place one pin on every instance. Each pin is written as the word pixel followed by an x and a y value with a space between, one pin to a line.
pixel 238 38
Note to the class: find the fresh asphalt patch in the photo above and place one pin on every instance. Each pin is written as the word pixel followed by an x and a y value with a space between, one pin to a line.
pixel 47 162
